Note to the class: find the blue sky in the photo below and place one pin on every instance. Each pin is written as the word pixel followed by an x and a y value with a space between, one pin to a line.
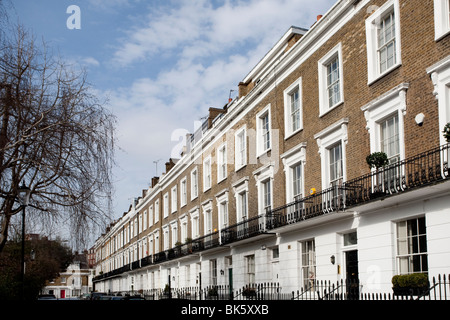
pixel 162 64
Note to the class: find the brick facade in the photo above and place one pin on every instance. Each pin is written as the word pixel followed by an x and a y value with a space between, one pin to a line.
pixel 344 26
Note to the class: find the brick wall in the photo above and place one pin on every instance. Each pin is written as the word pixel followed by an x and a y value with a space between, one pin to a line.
pixel 419 50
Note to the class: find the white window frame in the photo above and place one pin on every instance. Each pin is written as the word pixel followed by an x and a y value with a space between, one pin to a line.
pixel 223 210
pixel 261 147
pixel 195 223
pixel 156 212
pixel 144 227
pixel 207 217
pixel 207 173
pixel 194 183
pixel 166 205
pixel 166 235
pixel 372 27
pixel 183 192
pixel 291 159
pixel 440 77
pixel 150 215
pixel 403 259
pixel 308 267
pixel 239 188
pixel 326 139
pixel 287 95
pixel 174 199
pixel 441 19
pixel 262 175
pixel 174 231
pixel 324 106
pixel 221 154
pixel 385 106
pixel 250 269
pixel 240 155
pixel 157 240
pixel 183 228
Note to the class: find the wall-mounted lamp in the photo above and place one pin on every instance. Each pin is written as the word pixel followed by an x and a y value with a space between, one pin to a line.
pixel 419 119
pixel 332 259
pixel 263 247
pixel 222 272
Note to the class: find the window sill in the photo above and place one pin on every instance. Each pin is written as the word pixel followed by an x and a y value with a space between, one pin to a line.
pixel 328 110
pixel 293 133
pixel 263 153
pixel 220 180
pixel 378 77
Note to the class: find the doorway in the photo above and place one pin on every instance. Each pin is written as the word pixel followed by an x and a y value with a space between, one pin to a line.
pixel 352 274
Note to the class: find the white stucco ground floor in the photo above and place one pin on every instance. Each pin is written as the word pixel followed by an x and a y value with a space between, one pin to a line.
pixel 371 243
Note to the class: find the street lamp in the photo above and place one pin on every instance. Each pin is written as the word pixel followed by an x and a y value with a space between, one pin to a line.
pixel 24 198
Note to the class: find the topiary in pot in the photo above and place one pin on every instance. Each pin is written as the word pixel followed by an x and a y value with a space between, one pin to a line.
pixel 410 284
pixel 446 132
pixel 377 160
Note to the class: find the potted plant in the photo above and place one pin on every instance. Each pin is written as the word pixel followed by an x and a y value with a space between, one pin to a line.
pixel 212 292
pixel 410 284
pixel 188 243
pixel 377 160
pixel 166 291
pixel 249 292
pixel 446 132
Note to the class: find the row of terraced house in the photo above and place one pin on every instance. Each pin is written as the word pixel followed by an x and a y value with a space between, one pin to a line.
pixel 275 186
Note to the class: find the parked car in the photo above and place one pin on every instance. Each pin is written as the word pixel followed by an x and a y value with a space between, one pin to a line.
pixel 47 297
pixel 133 298
pixel 97 295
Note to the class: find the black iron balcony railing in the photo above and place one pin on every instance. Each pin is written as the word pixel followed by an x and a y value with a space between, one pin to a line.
pixel 418 171
pixel 243 230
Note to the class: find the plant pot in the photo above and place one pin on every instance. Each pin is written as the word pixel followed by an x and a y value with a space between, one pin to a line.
pixel 409 291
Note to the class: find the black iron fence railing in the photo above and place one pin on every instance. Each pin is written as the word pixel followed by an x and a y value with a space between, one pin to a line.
pixel 344 289
pixel 421 170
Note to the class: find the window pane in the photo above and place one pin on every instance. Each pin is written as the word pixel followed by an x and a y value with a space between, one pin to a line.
pixel 386 43
pixel 334 95
pixel 412 246
pixel 297 181
pixel 295 110
pixel 335 164
pixel 390 139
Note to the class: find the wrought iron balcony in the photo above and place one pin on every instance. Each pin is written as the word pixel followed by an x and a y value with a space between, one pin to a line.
pixel 243 230
pixel 424 169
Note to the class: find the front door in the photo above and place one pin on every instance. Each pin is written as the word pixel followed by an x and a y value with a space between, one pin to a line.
pixel 352 278
pixel 230 282
pixel 63 294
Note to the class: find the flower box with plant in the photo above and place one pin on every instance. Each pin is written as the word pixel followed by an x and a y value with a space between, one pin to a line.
pixel 410 284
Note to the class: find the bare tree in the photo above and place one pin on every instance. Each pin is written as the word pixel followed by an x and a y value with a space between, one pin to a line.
pixel 55 136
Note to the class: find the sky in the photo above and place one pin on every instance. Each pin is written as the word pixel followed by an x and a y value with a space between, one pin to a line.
pixel 161 64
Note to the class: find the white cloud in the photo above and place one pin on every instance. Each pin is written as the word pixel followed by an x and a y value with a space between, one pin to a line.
pixel 91 61
pixel 210 50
